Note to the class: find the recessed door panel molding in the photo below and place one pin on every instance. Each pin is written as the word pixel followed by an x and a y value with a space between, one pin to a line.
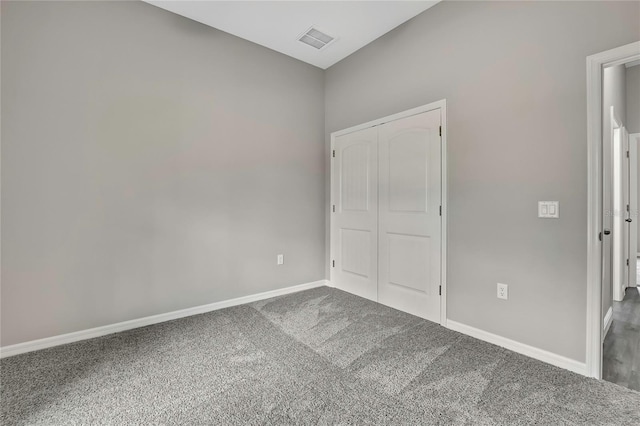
pixel 387 228
pixel 354 176
pixel 409 261
pixel 408 171
pixel 356 249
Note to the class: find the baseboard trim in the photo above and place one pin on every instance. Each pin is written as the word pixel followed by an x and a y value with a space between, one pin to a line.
pixel 521 348
pixel 63 339
pixel 608 319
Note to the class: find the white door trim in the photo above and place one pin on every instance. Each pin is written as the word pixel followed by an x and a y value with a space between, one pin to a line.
pixel 595 64
pixel 442 105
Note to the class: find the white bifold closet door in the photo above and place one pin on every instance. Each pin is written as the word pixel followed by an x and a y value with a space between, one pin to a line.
pixel 354 225
pixel 386 227
pixel 409 225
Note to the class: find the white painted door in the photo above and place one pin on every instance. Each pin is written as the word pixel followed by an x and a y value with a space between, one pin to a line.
pixel 627 209
pixel 608 218
pixel 409 241
pixel 354 228
pixel 633 210
pixel 620 245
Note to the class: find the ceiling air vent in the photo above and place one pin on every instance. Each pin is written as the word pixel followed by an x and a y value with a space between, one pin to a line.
pixel 316 38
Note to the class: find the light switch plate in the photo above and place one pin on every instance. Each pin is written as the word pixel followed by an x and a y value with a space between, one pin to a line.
pixel 549 209
pixel 280 260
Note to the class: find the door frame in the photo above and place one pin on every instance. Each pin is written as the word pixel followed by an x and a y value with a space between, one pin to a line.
pixel 442 106
pixel 633 203
pixel 594 325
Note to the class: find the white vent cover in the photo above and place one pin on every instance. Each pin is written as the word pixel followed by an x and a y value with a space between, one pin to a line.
pixel 316 38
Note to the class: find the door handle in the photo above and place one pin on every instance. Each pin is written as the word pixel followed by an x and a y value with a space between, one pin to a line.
pixel 628 220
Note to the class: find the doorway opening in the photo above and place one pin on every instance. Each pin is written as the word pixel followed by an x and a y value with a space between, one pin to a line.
pixel 612 191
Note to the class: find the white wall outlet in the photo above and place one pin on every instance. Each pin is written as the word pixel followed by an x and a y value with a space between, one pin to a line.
pixel 503 291
pixel 281 259
pixel 549 209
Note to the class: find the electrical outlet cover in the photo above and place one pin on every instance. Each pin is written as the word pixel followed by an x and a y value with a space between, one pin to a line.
pixel 503 291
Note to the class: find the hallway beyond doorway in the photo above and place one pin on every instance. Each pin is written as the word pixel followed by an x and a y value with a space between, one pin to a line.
pixel 621 351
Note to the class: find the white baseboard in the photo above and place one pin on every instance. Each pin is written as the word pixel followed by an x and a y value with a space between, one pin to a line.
pixel 608 319
pixel 63 339
pixel 521 348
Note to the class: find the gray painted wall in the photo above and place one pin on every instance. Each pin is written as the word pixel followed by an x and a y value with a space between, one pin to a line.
pixel 513 74
pixel 149 163
pixel 633 99
pixel 613 95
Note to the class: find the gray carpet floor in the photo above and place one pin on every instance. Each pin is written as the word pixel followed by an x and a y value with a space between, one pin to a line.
pixel 320 356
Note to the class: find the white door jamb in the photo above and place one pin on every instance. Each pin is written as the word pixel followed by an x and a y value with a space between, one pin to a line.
pixel 595 64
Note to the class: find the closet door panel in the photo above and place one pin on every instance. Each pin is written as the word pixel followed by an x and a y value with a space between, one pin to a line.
pixel 409 228
pixel 354 229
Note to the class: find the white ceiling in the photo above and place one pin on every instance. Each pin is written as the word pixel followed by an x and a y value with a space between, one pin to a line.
pixel 277 24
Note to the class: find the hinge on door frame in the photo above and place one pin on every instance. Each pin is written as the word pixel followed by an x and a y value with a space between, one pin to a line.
pixel 333 263
pixel 333 154
pixel 627 154
pixel 627 207
pixel 627 262
pixel 440 130
pixel 439 290
pixel 334 208
pixel 440 210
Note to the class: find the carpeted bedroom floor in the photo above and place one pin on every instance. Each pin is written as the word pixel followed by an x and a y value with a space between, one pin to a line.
pixel 320 356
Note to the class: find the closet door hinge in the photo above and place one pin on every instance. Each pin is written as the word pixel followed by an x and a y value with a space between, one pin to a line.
pixel 333 263
pixel 334 208
pixel 440 130
pixel 333 154
pixel 627 262
pixel 440 210
pixel 627 154
pixel 439 290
